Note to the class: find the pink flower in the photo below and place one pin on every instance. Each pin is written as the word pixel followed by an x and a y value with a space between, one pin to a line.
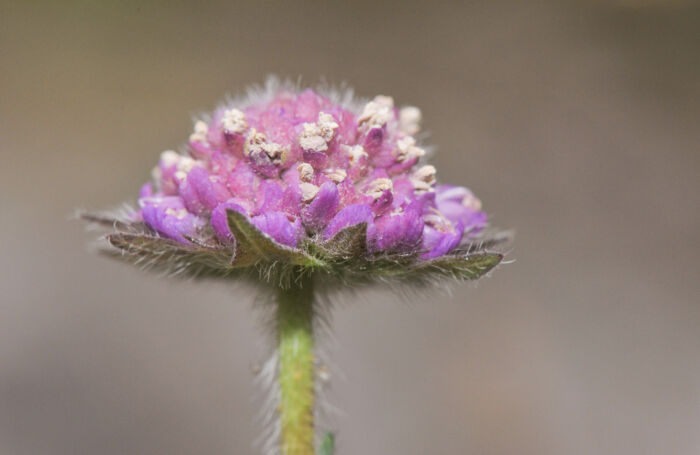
pixel 300 163
pixel 305 178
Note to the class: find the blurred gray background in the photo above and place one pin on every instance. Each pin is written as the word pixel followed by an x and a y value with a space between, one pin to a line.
pixel 577 123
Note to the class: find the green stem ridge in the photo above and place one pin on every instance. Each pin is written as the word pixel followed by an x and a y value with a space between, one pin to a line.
pixel 295 313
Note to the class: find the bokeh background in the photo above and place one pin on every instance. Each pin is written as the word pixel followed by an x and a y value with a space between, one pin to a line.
pixel 577 123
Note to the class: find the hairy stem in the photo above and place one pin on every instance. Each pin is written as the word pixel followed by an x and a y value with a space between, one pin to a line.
pixel 296 368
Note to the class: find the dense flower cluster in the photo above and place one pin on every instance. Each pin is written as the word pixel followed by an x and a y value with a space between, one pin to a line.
pixel 300 165
pixel 301 193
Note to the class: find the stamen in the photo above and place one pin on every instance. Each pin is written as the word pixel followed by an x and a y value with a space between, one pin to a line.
pixel 355 153
pixel 407 149
pixel 257 144
pixel 308 191
pixel 169 158
pixel 200 132
pixel 471 202
pixel 316 136
pixel 336 175
pixel 184 166
pixel 376 113
pixel 424 179
pixel 234 121
pixel 177 213
pixel 409 120
pixel 379 186
pixel 306 172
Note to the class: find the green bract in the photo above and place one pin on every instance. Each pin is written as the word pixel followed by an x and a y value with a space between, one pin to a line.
pixel 255 256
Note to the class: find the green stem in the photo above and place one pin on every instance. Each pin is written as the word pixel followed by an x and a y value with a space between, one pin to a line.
pixel 296 368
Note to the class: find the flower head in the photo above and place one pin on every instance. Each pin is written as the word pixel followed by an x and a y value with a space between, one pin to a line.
pixel 288 179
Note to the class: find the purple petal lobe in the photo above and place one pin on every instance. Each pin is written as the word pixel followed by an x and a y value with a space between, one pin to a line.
pixel 459 205
pixel 438 242
pixel 278 226
pixel 291 200
pixel 190 197
pixel 401 232
pixel 242 181
pixel 146 190
pixel 168 216
pixel 322 208
pixel 317 159
pixel 383 202
pixel 219 220
pixel 269 196
pixel 349 216
pixel 373 140
pixel 205 191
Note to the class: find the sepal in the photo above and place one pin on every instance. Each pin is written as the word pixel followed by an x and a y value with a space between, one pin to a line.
pixel 350 242
pixel 171 257
pixel 254 246
pixel 343 260
pixel 457 266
